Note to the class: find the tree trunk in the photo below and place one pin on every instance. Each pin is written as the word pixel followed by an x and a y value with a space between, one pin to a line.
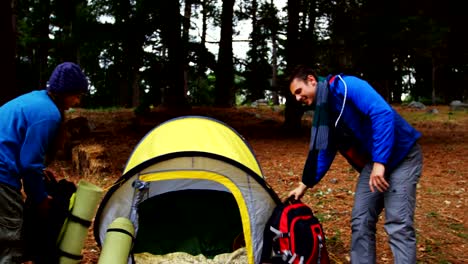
pixel 175 96
pixel 254 34
pixel 43 47
pixel 308 38
pixel 397 91
pixel 434 70
pixel 423 76
pixel 225 68
pixel 136 88
pixel 293 111
pixel 274 68
pixel 185 40
pixel 7 30
pixel 274 64
pixel 67 14
pixel 202 64
pixel 205 4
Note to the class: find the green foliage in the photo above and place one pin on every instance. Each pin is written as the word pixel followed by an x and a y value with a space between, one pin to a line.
pixel 321 217
pixel 112 109
pixel 388 40
pixel 457 227
pixel 335 238
pixel 444 118
pixel 432 215
pixel 201 90
pixel 428 101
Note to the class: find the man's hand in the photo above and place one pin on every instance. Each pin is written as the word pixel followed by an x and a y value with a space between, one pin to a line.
pixel 298 192
pixel 377 180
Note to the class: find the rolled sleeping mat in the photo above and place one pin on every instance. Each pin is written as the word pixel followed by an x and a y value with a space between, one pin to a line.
pixel 87 197
pixel 118 242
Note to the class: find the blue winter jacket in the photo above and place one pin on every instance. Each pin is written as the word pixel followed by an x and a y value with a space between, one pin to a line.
pixel 29 125
pixel 368 130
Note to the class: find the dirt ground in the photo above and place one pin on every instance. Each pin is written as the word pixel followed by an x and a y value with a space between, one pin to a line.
pixel 441 218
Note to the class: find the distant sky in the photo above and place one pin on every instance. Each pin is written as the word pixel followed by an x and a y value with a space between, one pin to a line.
pixel 244 28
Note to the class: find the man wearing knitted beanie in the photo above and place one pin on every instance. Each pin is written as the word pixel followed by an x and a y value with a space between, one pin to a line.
pixel 29 128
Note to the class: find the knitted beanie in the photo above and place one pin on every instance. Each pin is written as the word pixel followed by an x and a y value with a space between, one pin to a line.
pixel 67 78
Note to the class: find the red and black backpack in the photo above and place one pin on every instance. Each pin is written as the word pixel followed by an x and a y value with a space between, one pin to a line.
pixel 294 235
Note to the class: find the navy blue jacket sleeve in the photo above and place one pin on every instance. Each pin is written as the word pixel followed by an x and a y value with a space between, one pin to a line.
pixel 317 165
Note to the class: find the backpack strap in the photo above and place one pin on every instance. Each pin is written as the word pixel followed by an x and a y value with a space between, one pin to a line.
pixel 320 241
pixel 277 233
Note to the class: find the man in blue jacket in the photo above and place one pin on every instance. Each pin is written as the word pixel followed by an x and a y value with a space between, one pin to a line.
pixel 350 117
pixel 30 126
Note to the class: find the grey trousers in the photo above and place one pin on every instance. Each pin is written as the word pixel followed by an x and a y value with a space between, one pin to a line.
pixel 399 202
pixel 11 222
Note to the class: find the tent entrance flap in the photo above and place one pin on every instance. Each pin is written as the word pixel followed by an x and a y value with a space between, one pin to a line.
pixel 193 221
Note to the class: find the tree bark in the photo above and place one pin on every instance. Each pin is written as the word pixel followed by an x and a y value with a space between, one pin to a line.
pixel 7 30
pixel 225 68
pixel 274 68
pixel 434 71
pixel 293 111
pixel 43 46
pixel 185 40
pixel 175 98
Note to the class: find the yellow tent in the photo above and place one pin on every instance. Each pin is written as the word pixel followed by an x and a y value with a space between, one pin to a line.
pixel 193 185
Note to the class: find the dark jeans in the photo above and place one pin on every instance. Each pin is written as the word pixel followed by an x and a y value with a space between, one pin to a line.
pixel 11 224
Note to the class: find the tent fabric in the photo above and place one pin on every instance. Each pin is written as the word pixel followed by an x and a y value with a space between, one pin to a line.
pixel 195 161
pixel 178 136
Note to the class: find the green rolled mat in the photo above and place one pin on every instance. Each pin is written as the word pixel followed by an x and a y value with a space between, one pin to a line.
pixel 118 242
pixel 87 197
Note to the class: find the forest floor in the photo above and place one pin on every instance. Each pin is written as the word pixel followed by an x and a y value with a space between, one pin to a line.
pixel 441 212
